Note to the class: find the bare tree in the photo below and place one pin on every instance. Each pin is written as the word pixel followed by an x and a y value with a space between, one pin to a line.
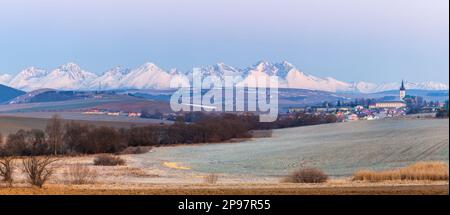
pixel 54 131
pixel 7 170
pixel 38 169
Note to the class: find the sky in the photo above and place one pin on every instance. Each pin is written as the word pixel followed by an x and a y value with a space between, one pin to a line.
pixel 351 40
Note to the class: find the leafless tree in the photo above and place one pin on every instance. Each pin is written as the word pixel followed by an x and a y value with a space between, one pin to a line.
pixel 7 170
pixel 54 131
pixel 38 169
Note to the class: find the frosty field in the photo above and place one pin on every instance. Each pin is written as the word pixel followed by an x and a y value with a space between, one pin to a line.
pixel 339 149
pixel 257 166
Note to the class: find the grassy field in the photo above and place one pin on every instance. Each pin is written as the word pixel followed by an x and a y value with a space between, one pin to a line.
pixel 12 122
pixel 257 166
pixel 339 149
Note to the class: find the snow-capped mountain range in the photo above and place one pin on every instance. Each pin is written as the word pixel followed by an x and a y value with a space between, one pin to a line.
pixel 149 76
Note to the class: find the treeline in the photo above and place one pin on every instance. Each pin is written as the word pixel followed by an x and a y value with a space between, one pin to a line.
pixel 297 120
pixel 76 138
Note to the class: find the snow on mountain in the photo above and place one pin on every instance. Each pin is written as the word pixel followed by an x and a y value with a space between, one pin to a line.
pixel 299 80
pixel 364 87
pixel 279 69
pixel 291 77
pixel 220 70
pixel 5 78
pixel 147 76
pixel 29 79
pixel 430 85
pixel 264 69
pixel 68 77
pixel 110 79
pixel 150 76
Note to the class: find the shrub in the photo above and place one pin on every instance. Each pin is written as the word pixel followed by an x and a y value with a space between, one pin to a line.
pixel 432 171
pixel 80 174
pixel 307 175
pixel 211 178
pixel 7 170
pixel 38 169
pixel 108 160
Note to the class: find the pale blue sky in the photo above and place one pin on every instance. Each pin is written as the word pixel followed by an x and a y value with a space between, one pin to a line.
pixel 379 40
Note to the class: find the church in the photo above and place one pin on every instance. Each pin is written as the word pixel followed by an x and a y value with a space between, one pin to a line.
pixel 402 91
pixel 394 103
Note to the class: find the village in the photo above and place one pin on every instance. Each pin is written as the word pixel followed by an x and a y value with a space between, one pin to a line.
pixel 372 109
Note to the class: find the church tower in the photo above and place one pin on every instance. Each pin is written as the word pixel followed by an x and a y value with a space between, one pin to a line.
pixel 402 91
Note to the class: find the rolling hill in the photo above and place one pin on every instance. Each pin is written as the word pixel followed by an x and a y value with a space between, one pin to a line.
pixel 8 93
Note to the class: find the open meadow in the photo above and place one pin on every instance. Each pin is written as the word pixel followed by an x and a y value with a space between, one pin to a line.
pixel 339 149
pixel 259 165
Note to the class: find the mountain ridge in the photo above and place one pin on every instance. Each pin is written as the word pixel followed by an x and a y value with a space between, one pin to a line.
pixel 71 76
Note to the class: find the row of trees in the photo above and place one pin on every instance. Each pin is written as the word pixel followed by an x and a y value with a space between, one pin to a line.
pixel 77 138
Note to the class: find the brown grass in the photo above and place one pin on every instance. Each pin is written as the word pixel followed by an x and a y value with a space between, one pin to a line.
pixel 80 174
pixel 431 171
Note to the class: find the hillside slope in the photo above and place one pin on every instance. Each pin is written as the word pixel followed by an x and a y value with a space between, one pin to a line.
pixel 8 93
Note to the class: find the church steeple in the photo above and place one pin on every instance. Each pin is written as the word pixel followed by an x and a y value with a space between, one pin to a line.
pixel 403 86
pixel 402 91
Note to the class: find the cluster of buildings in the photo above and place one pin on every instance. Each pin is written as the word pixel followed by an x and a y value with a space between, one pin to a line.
pixel 388 108
pixel 112 113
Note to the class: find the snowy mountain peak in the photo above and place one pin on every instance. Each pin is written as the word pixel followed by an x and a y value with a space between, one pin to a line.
pixel 110 79
pixel 225 69
pixel 175 71
pixel 287 64
pixel 118 70
pixel 28 78
pixel 149 66
pixel 263 66
pixel 145 77
pixel 71 71
pixel 279 69
pixel 70 66
pixel 431 85
pixel 149 76
pixel 31 72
